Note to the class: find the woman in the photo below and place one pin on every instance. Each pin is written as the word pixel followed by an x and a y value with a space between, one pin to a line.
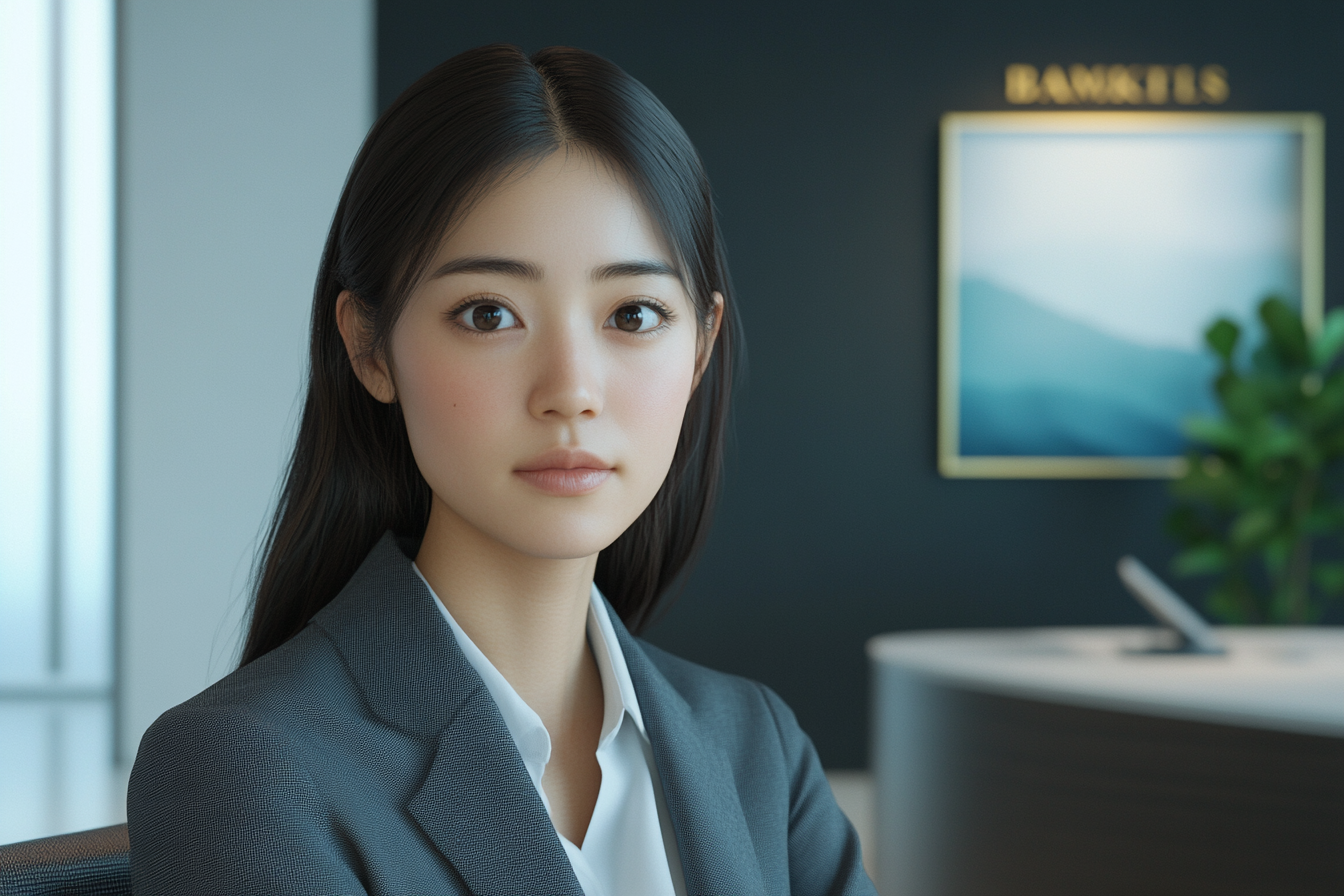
pixel 522 340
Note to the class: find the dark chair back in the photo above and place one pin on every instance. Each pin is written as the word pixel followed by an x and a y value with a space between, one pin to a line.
pixel 87 863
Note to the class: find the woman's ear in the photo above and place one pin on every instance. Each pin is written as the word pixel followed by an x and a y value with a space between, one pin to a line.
pixel 370 370
pixel 707 346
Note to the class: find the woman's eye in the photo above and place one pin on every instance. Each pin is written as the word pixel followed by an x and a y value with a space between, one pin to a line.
pixel 636 318
pixel 487 317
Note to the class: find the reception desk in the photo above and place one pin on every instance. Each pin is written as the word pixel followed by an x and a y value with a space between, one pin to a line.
pixel 1070 761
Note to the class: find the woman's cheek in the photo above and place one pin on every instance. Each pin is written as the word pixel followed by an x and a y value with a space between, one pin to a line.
pixel 653 402
pixel 452 417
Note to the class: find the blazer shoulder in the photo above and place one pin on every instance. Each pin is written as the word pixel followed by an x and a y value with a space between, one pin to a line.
pixel 741 710
pixel 273 704
pixel 235 771
pixel 703 688
pixel 223 801
pixel 305 669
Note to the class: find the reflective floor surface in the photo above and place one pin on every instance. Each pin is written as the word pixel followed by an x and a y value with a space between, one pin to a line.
pixel 56 770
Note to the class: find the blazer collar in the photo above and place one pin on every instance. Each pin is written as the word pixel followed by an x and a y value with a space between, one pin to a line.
pixel 717 852
pixel 477 804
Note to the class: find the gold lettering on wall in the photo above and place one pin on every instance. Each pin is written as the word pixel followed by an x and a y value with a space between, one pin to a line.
pixel 1184 78
pixel 1213 83
pixel 1115 85
pixel 1089 84
pixel 1155 80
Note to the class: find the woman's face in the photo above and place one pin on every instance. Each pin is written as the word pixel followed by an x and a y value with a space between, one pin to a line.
pixel 545 365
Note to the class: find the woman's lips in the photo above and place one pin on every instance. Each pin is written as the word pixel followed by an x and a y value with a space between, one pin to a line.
pixel 565 483
pixel 565 472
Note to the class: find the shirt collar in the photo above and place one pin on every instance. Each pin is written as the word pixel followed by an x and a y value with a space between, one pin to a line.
pixel 618 691
pixel 525 726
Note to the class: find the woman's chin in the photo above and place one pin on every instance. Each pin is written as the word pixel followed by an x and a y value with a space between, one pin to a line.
pixel 546 537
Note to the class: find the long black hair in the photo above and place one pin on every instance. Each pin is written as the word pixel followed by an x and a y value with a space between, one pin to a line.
pixel 436 149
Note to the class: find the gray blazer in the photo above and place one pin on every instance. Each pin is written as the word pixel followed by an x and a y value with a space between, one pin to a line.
pixel 366 756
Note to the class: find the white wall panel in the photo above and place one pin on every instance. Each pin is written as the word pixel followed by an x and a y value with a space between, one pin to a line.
pixel 239 119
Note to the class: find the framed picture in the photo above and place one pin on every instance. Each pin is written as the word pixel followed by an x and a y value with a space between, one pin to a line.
pixel 1083 255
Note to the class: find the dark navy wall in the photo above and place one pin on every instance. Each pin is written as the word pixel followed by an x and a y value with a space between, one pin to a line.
pixel 818 122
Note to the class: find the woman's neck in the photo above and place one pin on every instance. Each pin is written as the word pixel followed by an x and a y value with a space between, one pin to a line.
pixel 528 615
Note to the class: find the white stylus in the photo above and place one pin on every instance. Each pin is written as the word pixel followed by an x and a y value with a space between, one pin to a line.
pixel 1167 606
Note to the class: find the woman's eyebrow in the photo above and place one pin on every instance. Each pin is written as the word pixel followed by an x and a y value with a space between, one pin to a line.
pixel 641 268
pixel 487 264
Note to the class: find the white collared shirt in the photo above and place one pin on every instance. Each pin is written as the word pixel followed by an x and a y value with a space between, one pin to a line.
pixel 630 846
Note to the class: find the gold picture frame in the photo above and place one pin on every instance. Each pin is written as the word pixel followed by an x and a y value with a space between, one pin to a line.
pixel 1154 132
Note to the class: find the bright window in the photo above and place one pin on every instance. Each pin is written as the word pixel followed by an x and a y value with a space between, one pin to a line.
pixel 57 339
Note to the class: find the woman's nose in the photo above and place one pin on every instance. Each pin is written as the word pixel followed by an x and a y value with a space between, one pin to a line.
pixel 568 384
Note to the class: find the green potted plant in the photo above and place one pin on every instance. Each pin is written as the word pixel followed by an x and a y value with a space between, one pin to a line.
pixel 1259 505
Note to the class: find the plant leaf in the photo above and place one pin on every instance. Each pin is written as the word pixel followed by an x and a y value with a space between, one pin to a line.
pixel 1243 398
pixel 1200 561
pixel 1329 577
pixel 1229 602
pixel 1222 337
pixel 1253 526
pixel 1330 341
pixel 1213 431
pixel 1272 439
pixel 1324 519
pixel 1277 553
pixel 1286 333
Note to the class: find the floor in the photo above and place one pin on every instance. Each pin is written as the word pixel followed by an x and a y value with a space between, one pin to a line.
pixel 56 771
pixel 57 775
pixel 853 790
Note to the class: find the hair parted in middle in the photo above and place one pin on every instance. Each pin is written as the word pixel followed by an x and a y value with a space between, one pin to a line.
pixel 439 147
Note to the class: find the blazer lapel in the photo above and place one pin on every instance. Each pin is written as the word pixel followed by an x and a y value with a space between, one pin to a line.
pixel 477 803
pixel 480 809
pixel 717 853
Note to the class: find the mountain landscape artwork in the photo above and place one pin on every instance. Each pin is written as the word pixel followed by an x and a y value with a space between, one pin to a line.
pixel 1035 382
pixel 1088 264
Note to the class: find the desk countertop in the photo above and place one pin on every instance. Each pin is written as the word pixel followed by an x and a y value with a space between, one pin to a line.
pixel 1287 679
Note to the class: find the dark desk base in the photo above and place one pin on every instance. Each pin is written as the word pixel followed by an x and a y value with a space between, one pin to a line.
pixel 1025 797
